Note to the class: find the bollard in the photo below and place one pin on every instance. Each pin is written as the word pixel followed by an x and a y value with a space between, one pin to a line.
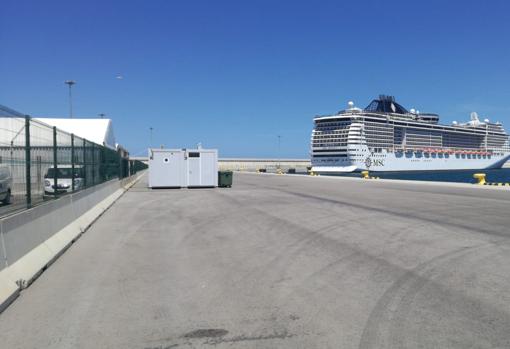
pixel 480 177
pixel 364 175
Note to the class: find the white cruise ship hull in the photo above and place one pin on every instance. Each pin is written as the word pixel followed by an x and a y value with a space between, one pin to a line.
pixel 386 137
pixel 408 162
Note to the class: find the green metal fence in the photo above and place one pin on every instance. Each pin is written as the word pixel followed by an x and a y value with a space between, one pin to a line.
pixel 39 162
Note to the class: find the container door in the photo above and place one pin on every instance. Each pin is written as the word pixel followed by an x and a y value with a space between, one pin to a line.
pixel 209 175
pixel 194 169
pixel 174 163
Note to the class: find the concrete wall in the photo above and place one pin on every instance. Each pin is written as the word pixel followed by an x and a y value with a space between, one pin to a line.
pixel 252 165
pixel 23 231
pixel 33 239
pixel 268 164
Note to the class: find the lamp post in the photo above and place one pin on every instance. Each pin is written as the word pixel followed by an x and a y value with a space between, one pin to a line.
pixel 70 83
pixel 279 142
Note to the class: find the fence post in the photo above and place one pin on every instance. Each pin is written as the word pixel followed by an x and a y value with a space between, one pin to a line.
pixel 93 164
pixel 103 164
pixel 55 164
pixel 84 164
pixel 72 162
pixel 28 162
pixel 120 164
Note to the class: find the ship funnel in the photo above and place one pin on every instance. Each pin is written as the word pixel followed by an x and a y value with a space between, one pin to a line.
pixel 386 98
pixel 474 116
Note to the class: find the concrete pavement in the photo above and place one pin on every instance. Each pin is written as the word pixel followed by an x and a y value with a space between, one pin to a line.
pixel 280 262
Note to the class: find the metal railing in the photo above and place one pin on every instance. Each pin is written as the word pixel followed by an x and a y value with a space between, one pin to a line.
pixel 39 162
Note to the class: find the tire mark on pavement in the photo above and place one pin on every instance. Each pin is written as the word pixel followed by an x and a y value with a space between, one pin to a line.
pixel 398 299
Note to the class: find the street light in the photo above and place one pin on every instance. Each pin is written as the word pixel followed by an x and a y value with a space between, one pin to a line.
pixel 70 83
pixel 279 141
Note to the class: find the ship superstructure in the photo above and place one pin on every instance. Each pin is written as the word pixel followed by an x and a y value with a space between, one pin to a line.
pixel 387 137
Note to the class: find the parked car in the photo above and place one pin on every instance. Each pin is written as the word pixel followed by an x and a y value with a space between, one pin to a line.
pixel 65 178
pixel 5 184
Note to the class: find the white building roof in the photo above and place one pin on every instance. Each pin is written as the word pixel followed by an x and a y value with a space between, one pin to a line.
pixel 99 131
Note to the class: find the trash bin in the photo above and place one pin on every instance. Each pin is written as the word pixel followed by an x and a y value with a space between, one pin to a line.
pixel 224 179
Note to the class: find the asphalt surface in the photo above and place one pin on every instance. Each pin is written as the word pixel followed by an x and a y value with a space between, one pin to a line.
pixel 280 262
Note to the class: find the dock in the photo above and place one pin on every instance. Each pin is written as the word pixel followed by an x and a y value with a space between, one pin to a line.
pixel 280 261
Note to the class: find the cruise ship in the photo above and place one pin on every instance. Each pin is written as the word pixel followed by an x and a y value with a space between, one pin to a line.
pixel 387 137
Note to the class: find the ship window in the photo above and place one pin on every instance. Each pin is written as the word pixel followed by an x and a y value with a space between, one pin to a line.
pixel 194 155
pixel 330 156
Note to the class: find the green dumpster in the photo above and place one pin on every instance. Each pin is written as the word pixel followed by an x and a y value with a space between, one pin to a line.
pixel 224 179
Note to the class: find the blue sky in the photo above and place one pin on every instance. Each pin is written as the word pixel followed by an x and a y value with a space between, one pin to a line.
pixel 235 74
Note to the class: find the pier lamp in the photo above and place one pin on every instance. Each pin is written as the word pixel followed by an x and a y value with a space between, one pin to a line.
pixel 70 83
pixel 279 156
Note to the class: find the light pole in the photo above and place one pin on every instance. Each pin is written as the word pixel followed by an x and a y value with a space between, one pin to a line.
pixel 70 83
pixel 279 142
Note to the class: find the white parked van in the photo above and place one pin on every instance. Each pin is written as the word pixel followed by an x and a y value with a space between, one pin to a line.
pixel 5 184
pixel 65 178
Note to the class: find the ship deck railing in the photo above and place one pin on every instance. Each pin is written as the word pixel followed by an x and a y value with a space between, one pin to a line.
pixel 447 150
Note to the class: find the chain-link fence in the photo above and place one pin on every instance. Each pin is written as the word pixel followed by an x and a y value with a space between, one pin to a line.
pixel 39 162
